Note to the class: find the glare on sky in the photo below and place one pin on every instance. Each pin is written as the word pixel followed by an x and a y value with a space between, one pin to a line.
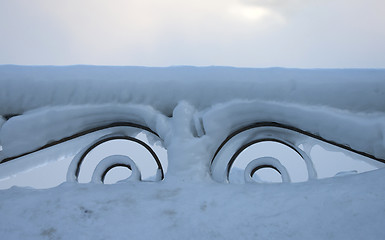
pixel 244 33
pixel 255 14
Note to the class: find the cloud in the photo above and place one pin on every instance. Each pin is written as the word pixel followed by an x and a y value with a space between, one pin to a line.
pixel 256 13
pixel 138 30
pixel 282 6
pixel 298 33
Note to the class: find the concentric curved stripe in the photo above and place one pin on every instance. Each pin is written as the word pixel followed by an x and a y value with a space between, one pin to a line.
pixel 82 133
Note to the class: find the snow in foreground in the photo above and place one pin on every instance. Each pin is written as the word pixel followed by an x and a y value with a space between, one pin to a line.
pixel 350 207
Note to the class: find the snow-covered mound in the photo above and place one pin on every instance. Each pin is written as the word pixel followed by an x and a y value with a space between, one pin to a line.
pixel 24 88
pixel 203 117
pixel 350 207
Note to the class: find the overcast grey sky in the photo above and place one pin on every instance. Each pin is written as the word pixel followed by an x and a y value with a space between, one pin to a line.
pixel 244 33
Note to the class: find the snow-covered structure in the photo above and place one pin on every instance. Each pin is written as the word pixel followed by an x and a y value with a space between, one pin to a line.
pixel 201 129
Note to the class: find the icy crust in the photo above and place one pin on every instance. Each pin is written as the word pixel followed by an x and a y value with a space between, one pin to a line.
pixel 36 128
pixel 191 137
pixel 351 207
pixel 361 131
pixel 25 88
pixel 191 109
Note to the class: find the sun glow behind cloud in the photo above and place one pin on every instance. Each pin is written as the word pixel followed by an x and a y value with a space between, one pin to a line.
pixel 255 33
pixel 255 14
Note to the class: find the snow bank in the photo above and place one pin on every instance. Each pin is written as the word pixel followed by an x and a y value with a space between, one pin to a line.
pixel 350 207
pixel 24 88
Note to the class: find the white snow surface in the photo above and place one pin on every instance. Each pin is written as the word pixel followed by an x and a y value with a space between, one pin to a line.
pixel 28 87
pixel 192 110
pixel 350 207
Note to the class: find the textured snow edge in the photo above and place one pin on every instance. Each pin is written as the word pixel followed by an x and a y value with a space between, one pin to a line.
pixel 349 207
pixel 25 88
pixel 361 131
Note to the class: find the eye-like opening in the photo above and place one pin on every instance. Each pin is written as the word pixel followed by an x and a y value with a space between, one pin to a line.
pixel 119 141
pixel 265 169
pixel 272 150
pixel 115 164
pixel 116 173
pixel 94 161
pixel 330 162
pixel 266 174
pixel 290 161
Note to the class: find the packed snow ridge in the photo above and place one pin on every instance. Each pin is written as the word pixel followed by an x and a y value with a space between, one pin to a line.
pixel 192 110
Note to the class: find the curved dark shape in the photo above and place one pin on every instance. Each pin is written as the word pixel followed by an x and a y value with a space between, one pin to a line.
pixel 236 154
pixel 283 126
pixel 111 167
pixel 79 163
pixel 8 116
pixel 82 133
pixel 264 166
pixel 229 150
